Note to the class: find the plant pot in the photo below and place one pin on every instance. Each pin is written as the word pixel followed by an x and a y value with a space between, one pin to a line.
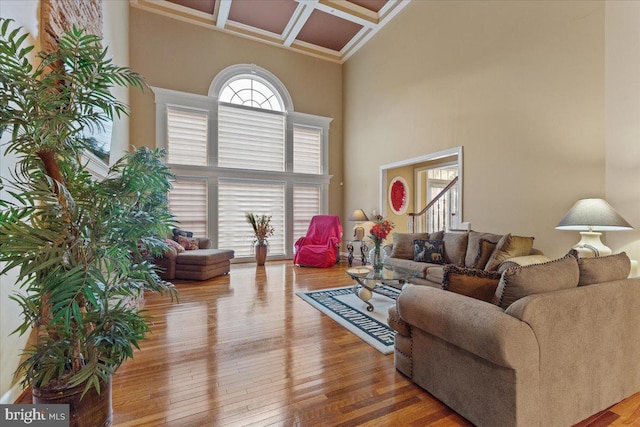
pixel 94 410
pixel 261 253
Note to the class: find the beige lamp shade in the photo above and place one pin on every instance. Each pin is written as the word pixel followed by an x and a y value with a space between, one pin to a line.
pixel 590 216
pixel 359 217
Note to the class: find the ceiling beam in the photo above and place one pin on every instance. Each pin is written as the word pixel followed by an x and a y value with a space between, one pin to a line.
pixel 223 13
pixel 297 21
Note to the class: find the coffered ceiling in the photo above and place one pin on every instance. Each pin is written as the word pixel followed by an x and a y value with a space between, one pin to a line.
pixel 330 29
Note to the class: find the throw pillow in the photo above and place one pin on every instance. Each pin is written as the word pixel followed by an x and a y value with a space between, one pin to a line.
pixel 177 246
pixel 478 284
pixel 189 243
pixel 180 232
pixel 474 247
pixel 486 249
pixel 518 282
pixel 455 247
pixel 431 251
pixel 403 244
pixel 509 247
pixel 603 269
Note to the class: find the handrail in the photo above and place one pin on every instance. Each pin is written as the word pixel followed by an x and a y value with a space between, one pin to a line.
pixel 435 199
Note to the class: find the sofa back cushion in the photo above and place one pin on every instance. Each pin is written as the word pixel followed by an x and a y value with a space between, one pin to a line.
pixel 476 250
pixel 518 282
pixel 455 247
pixel 509 247
pixel 603 269
pixel 403 244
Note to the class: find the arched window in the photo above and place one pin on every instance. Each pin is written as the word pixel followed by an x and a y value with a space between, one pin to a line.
pixel 247 148
pixel 250 92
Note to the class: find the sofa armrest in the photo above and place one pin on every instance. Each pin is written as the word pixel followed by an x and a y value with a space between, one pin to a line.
pixel 476 326
pixel 205 243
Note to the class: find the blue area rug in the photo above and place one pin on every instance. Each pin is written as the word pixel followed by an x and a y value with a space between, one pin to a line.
pixel 343 306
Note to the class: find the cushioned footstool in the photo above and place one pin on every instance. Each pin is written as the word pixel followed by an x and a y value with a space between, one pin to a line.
pixel 203 264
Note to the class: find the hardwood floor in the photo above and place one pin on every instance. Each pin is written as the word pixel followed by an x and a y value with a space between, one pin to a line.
pixel 243 349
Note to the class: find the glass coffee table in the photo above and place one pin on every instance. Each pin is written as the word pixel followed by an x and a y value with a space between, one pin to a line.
pixel 369 281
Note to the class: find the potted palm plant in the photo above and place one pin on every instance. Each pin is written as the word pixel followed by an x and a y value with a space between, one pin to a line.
pixel 262 230
pixel 81 245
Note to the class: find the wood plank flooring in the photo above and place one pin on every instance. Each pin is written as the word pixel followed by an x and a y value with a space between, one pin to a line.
pixel 244 350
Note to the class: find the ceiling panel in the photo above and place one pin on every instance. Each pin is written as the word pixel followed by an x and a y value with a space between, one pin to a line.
pixel 329 29
pixel 269 15
pixel 372 5
pixel 206 6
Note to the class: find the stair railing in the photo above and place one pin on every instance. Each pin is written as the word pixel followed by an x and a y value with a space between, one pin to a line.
pixel 431 217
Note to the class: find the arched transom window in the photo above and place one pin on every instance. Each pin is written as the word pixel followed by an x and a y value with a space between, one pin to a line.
pixel 250 92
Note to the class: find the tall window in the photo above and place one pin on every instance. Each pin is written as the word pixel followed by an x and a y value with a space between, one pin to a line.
pixel 243 149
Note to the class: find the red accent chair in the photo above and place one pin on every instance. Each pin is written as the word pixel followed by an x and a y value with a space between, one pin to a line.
pixel 320 247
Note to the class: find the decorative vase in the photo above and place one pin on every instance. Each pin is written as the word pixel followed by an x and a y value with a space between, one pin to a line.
pixel 376 257
pixel 261 253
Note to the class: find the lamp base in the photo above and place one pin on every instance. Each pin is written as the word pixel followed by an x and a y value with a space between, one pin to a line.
pixel 590 245
pixel 358 232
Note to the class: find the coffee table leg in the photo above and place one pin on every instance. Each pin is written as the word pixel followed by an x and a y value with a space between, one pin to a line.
pixel 364 293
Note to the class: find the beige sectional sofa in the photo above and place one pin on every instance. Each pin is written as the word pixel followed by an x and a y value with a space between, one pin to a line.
pixel 464 249
pixel 560 342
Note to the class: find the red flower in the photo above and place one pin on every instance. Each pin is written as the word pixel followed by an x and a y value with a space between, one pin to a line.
pixel 380 229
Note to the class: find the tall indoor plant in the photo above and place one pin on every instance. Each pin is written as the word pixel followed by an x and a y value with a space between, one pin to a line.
pixel 81 245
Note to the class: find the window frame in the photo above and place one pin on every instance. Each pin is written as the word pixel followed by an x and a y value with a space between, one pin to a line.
pixel 212 172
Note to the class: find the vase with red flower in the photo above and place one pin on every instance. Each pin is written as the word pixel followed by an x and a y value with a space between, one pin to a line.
pixel 379 231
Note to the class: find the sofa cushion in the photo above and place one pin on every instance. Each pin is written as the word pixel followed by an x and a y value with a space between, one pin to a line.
pixel 434 274
pixel 508 247
pixel 455 247
pixel 522 261
pixel 204 256
pixel 478 284
pixel 428 251
pixel 409 264
pixel 518 282
pixel 474 247
pixel 603 269
pixel 403 244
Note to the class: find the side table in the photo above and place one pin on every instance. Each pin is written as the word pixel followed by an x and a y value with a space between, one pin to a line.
pixel 363 251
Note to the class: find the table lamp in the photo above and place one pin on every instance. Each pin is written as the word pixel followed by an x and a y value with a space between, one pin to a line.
pixel 359 217
pixel 590 217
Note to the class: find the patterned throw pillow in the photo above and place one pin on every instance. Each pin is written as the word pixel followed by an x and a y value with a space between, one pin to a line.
pixel 431 251
pixel 189 243
pixel 177 246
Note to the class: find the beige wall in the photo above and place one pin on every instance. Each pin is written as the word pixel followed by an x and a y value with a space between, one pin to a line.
pixel 175 55
pixel 520 85
pixel 26 13
pixel 622 92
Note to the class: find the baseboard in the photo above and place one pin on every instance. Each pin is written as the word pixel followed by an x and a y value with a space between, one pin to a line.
pixel 15 394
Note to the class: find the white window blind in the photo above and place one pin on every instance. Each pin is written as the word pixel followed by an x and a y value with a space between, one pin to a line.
pixel 235 199
pixel 186 136
pixel 188 204
pixel 307 154
pixel 250 139
pixel 306 203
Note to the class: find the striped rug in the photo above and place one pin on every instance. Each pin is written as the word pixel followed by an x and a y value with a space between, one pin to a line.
pixel 343 306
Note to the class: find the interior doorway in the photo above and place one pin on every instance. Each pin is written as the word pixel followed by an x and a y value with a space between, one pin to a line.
pixel 430 181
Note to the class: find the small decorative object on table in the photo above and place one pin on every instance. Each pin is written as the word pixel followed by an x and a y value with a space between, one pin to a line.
pixel 380 230
pixel 262 230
